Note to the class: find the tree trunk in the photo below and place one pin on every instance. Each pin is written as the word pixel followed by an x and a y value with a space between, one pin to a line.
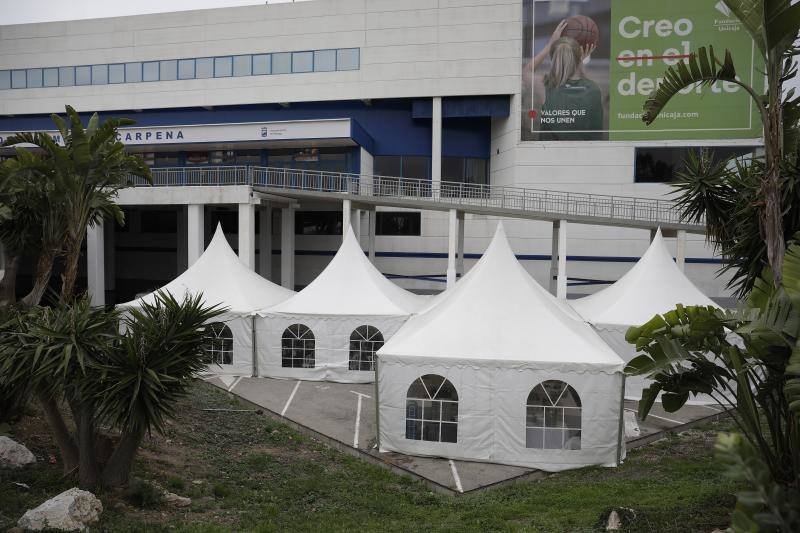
pixel 44 270
pixel 71 261
pixel 772 218
pixel 66 444
pixel 118 469
pixel 8 285
pixel 88 471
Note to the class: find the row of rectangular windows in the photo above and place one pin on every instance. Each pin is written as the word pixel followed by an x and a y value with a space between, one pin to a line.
pixel 183 69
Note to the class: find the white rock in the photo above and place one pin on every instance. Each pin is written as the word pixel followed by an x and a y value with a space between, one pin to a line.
pixel 72 510
pixel 14 454
pixel 614 523
pixel 177 501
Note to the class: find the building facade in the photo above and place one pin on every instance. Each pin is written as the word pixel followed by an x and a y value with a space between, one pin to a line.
pixel 431 89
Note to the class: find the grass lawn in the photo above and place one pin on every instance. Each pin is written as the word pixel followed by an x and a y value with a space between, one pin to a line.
pixel 245 472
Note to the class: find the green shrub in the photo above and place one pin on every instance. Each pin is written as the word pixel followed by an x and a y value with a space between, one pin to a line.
pixel 144 494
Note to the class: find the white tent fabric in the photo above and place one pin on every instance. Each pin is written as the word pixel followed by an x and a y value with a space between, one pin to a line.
pixel 349 293
pixel 653 286
pixel 225 280
pixel 495 336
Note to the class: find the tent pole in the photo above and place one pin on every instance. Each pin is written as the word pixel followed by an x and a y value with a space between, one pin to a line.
pixel 377 405
pixel 255 348
pixel 621 426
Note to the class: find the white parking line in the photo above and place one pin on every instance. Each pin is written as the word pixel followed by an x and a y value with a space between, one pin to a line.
pixel 235 382
pixel 358 416
pixel 291 397
pixel 660 417
pixel 457 479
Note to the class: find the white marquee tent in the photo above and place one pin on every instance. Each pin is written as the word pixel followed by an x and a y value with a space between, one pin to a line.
pixel 498 370
pixel 331 329
pixel 225 280
pixel 653 286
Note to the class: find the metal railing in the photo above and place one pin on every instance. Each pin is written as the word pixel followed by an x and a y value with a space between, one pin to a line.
pixel 465 195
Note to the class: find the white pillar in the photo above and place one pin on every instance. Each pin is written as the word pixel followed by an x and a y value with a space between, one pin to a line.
pixel 460 246
pixel 452 247
pixel 561 280
pixel 265 242
pixel 195 232
pixel 371 234
pixel 436 144
pixel 95 271
pixel 554 258
pixel 247 234
pixel 347 213
pixel 287 247
pixel 680 249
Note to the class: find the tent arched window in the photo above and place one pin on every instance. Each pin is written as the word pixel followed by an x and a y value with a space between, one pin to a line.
pixel 220 344
pixel 553 417
pixel 432 410
pixel 297 347
pixel 364 342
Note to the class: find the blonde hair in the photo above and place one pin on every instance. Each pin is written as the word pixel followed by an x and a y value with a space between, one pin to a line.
pixel 566 61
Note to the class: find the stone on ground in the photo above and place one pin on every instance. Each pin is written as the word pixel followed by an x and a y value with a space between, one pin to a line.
pixel 72 510
pixel 14 454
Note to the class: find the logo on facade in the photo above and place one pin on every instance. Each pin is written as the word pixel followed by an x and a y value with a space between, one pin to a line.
pixel 724 9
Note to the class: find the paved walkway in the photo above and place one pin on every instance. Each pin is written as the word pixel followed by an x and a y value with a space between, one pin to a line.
pixel 346 413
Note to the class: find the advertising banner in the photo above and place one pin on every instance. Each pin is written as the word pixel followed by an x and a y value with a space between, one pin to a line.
pixel 589 65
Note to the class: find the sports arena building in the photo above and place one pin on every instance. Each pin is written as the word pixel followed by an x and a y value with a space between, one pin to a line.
pixel 435 90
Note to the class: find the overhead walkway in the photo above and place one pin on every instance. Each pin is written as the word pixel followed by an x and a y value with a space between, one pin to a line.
pixel 496 200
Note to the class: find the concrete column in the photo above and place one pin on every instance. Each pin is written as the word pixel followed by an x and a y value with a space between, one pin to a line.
pixel 287 247
pixel 561 280
pixel 355 216
pixel 347 213
pixel 554 258
pixel 247 234
pixel 460 246
pixel 371 218
pixel 95 271
pixel 110 259
pixel 265 242
pixel 195 232
pixel 680 249
pixel 452 248
pixel 436 144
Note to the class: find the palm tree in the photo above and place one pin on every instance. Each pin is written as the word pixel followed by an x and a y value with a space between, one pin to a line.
pixel 773 25
pixel 88 170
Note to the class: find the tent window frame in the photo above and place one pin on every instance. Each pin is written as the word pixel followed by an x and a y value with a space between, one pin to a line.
pixel 298 347
pixel 364 342
pixel 432 410
pixel 553 424
pixel 220 345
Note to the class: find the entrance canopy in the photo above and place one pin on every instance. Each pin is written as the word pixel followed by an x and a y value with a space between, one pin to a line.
pixel 498 312
pixel 223 279
pixel 653 286
pixel 351 285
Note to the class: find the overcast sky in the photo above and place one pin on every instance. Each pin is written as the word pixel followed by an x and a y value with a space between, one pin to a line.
pixel 24 11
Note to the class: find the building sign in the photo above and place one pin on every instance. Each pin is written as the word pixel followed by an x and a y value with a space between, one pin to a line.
pixel 589 65
pixel 209 133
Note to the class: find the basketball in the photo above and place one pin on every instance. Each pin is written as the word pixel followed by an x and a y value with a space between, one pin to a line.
pixel 582 29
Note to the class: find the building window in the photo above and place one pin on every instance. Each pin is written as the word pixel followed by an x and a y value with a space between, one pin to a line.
pixel 297 347
pixel 34 78
pixel 204 67
pixel 223 67
pixel 66 76
pixel 133 72
pixel 166 159
pixel 248 157
pixel 282 63
pixel 186 69
pixel 398 223
pixel 302 61
pixel 196 158
pixel 5 79
pixel 168 70
pixel 553 417
pixel 318 223
pixel 347 59
pixel 99 74
pixel 83 75
pixel 150 71
pixel 242 65
pixel 406 166
pixel 364 342
pixel 262 64
pixel 116 73
pixel 387 165
pixel 324 60
pixel 50 77
pixel 662 164
pixel 219 347
pixel 17 79
pixel 432 410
